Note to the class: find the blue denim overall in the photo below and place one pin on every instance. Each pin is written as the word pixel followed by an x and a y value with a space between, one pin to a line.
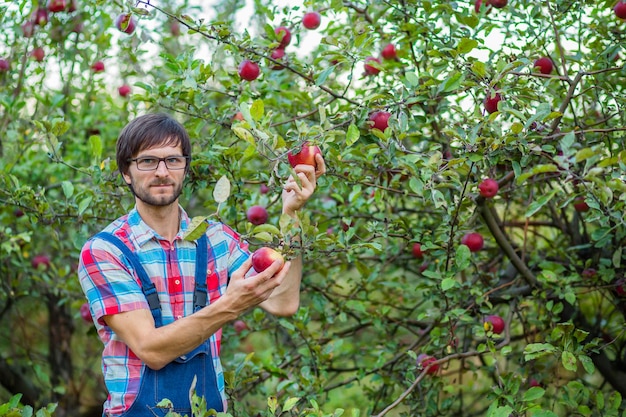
pixel 174 381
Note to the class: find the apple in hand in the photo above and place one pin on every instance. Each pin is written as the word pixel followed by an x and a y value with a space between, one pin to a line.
pixel 424 362
pixel 311 20
pixel 257 215
pixel 306 155
pixel 488 188
pixel 494 323
pixel 125 22
pixel 474 241
pixel 85 313
pixel 380 120
pixel 263 257
pixel 544 64
pixel 249 70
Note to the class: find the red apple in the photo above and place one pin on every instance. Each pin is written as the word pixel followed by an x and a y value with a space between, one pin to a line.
pixel 491 102
pixel 85 313
pixel 40 260
pixel 389 52
pixel 257 215
pixel 589 273
pixel 249 70
pixel 488 188
pixel 371 69
pixel 580 205
pixel 124 90
pixel 175 28
pixel 474 241
pixel 498 4
pixel 239 326
pixel 424 361
pixel 620 287
pixel 56 5
pixel 97 66
pixel 305 155
pixel 544 64
pixel 532 382
pixel 284 35
pixel 38 53
pixel 263 257
pixel 264 189
pixel 494 323
pixel 311 20
pixel 278 55
pixel 237 116
pixel 40 16
pixel 380 120
pixel 620 9
pixel 125 22
pixel 28 29
pixel 4 65
pixel 479 3
pixel 417 251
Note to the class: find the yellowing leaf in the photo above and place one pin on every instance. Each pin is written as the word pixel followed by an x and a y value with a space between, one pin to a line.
pixel 222 190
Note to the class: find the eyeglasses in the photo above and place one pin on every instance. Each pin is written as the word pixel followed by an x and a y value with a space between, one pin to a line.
pixel 151 163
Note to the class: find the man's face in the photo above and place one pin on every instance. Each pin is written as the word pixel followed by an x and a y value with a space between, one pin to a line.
pixel 157 187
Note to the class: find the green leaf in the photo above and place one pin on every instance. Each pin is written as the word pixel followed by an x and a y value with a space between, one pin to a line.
pixel 243 133
pixel 463 257
pixel 587 364
pixel 535 206
pixel 543 413
pixel 537 350
pixel 84 204
pixel 221 192
pixel 569 361
pixel 448 283
pixel 267 228
pixel 257 110
pixel 352 135
pixel 196 228
pixel 501 411
pixel 290 403
pixel 466 45
pixel 68 189
pixel 538 169
pixel 324 75
pixel 533 394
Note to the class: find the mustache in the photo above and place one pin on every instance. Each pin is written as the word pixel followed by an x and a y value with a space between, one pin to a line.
pixel 160 182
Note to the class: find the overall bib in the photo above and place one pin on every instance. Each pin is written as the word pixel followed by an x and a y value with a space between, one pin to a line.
pixel 174 381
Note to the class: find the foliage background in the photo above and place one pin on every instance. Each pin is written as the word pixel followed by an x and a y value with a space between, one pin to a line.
pixel 369 306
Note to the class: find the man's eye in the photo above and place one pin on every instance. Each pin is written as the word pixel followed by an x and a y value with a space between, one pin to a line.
pixel 174 160
pixel 146 161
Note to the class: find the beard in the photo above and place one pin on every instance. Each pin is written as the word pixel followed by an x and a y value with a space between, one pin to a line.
pixel 162 200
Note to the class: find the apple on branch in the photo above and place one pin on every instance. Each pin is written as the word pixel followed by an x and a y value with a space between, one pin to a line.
pixel 311 20
pixel 379 120
pixel 474 241
pixel 425 361
pixel 263 257
pixel 389 52
pixel 491 102
pixel 494 323
pixel 125 22
pixel 369 68
pixel 488 188
pixel 257 215
pixel 544 64
pixel 249 70
pixel 284 35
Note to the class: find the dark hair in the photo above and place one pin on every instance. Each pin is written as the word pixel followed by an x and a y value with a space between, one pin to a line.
pixel 149 131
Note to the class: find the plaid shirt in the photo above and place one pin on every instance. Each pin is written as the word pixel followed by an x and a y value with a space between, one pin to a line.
pixel 111 287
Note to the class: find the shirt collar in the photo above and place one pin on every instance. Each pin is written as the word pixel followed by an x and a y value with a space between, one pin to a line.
pixel 143 233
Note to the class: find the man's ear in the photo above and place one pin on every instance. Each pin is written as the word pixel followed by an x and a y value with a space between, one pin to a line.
pixel 126 178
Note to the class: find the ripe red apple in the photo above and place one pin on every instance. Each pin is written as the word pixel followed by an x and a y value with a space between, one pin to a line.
pixel 38 53
pixel 478 4
pixel 389 52
pixel 494 323
pixel 257 215
pixel 4 65
pixel 125 22
pixel 311 20
pixel 124 90
pixel 620 9
pixel 18 212
pixel 237 116
pixel 249 70
pixel 488 188
pixel 424 361
pixel 264 189
pixel 40 260
pixel 380 120
pixel 620 287
pixel 544 64
pixel 278 55
pixel 305 155
pixel 589 273
pixel 97 66
pixel 175 28
pixel 284 35
pixel 56 5
pixel 40 16
pixel 239 326
pixel 417 251
pixel 498 4
pixel 532 382
pixel 371 69
pixel 263 257
pixel 28 29
pixel 580 205
pixel 85 313
pixel 491 102
pixel 474 241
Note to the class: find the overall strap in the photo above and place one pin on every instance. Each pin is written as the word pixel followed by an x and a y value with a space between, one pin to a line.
pixel 200 292
pixel 148 288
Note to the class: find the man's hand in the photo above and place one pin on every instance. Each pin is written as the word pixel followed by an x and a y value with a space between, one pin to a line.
pixel 294 195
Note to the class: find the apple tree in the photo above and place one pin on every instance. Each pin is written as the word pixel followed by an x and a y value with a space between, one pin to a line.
pixel 463 253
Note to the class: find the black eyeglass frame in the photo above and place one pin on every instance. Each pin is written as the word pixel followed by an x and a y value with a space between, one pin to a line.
pixel 135 160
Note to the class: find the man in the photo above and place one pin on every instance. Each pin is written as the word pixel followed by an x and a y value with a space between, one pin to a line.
pixel 159 301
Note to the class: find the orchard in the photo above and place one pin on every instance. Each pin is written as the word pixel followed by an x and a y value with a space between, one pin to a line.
pixel 424 292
